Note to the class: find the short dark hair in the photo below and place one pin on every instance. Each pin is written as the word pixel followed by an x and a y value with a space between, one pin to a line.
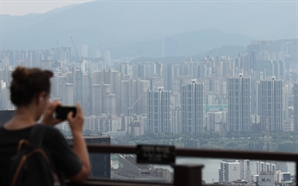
pixel 27 83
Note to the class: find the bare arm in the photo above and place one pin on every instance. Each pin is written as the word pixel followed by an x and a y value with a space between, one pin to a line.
pixel 79 144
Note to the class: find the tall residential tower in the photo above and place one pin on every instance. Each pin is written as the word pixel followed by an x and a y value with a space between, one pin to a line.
pixel 192 107
pixel 239 103
pixel 270 104
pixel 295 94
pixel 158 113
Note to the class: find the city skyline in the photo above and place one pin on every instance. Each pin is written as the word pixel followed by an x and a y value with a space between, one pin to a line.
pixel 188 74
pixel 246 93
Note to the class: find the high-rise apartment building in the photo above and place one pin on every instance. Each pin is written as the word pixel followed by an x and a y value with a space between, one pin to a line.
pixel 229 171
pixel 239 100
pixel 112 79
pixel 86 94
pixel 78 83
pixel 176 120
pixel 155 82
pixel 58 85
pixel 158 113
pixel 143 70
pixel 199 70
pixel 169 71
pixel 254 97
pixel 270 104
pixel 68 94
pixel 123 68
pixel 192 110
pixel 60 54
pixel 285 102
pixel 108 100
pixel 295 94
pixel 134 96
pixel 96 103
pixel 33 58
pixel 245 172
pixel 233 170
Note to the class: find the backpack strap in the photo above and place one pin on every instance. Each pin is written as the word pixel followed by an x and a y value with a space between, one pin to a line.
pixel 36 135
pixel 36 139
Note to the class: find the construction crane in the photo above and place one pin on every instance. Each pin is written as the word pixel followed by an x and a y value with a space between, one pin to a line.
pixel 131 107
pixel 74 46
pixel 4 57
pixel 78 77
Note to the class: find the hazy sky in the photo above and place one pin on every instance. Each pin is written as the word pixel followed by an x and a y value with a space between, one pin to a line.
pixel 22 7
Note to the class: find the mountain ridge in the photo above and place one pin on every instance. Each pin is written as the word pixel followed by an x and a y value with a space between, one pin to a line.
pixel 127 28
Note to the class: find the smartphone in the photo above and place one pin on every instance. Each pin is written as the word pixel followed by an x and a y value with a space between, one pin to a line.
pixel 62 111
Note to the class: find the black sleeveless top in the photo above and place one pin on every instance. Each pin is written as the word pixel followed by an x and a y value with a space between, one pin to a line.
pixel 65 161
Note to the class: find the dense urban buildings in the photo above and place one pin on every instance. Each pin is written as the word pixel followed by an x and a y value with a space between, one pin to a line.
pixel 267 173
pixel 168 73
pixel 254 91
pixel 249 92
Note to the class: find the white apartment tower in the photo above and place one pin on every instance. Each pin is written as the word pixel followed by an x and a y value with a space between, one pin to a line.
pixel 68 94
pixel 192 108
pixel 158 113
pixel 233 170
pixel 229 171
pixel 295 94
pixel 58 81
pixel 270 104
pixel 239 103
pixel 245 172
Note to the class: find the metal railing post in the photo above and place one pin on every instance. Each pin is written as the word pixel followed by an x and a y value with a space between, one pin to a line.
pixel 187 175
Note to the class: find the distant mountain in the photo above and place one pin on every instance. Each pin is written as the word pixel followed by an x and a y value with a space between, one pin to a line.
pixel 189 44
pixel 232 51
pixel 137 28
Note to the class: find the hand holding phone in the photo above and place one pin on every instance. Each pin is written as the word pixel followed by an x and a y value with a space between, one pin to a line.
pixel 48 115
pixel 76 122
pixel 62 111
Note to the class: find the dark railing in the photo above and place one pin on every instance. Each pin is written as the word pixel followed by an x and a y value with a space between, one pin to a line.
pixel 185 175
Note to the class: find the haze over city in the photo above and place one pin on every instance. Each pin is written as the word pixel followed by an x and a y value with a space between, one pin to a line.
pixel 195 74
